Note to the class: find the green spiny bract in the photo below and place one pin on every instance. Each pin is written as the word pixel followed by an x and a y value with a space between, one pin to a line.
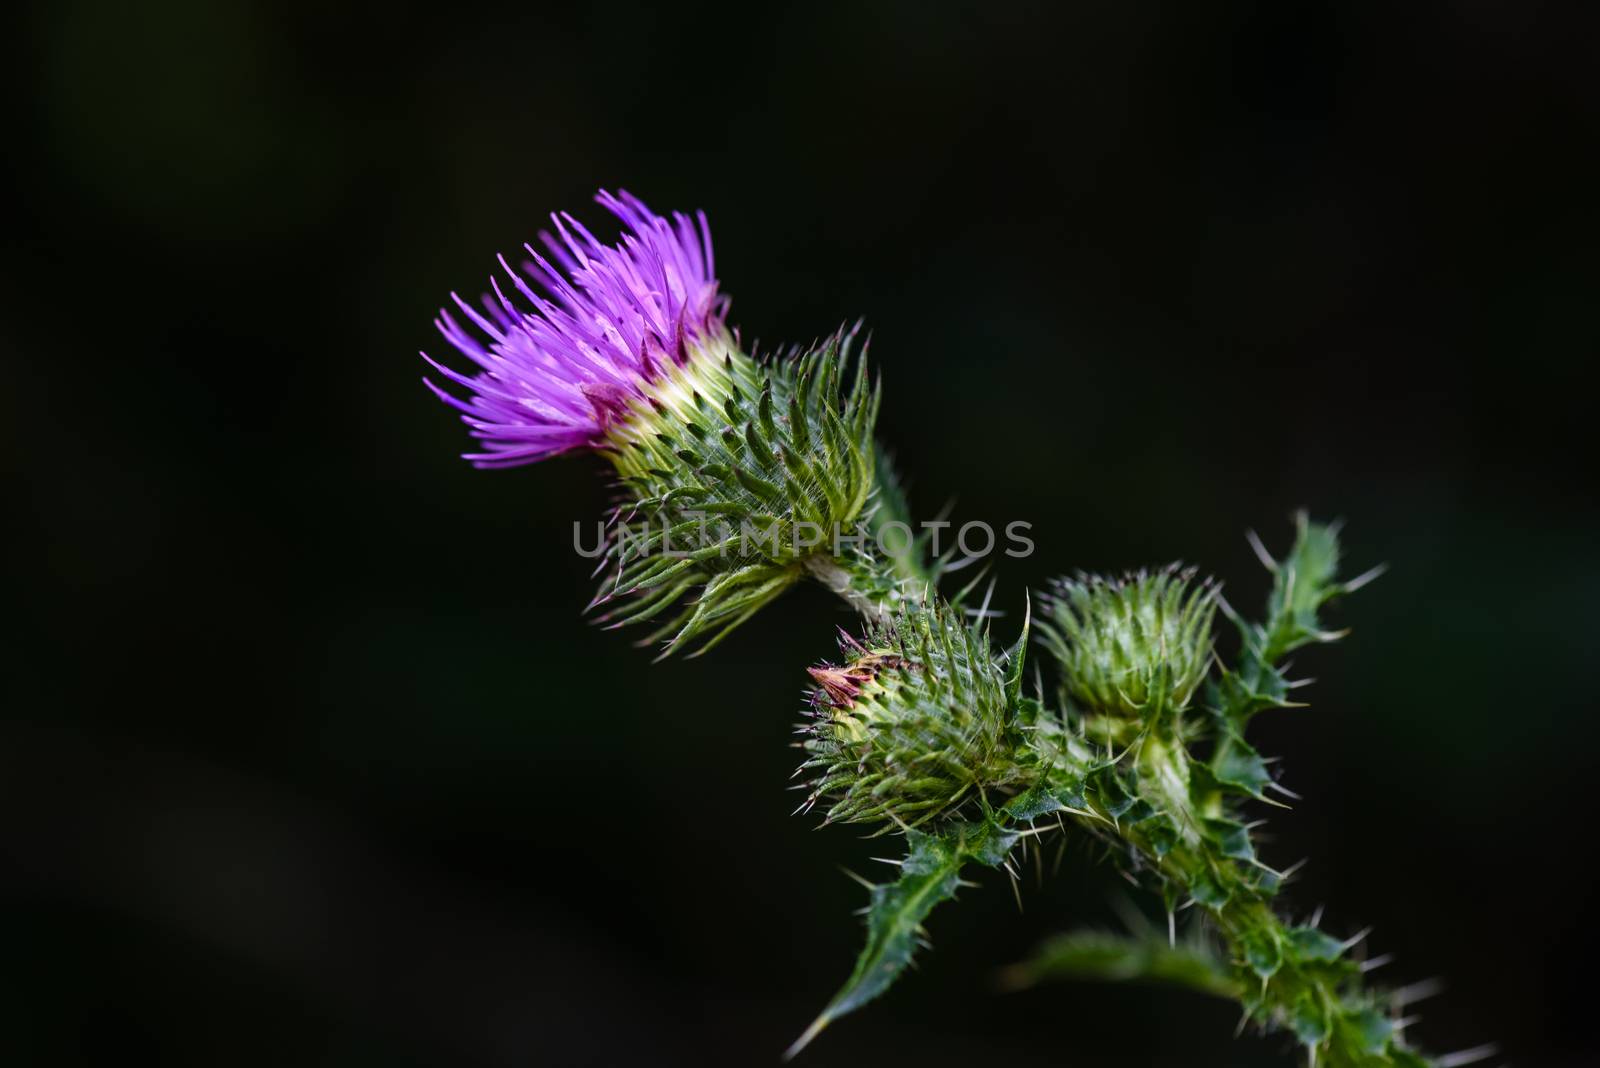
pixel 1135 647
pixel 919 719
pixel 738 475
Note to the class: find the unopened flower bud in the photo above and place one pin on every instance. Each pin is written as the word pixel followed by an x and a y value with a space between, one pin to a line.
pixel 1132 646
pixel 913 723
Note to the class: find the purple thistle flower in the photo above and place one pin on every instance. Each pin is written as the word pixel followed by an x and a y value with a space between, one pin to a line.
pixel 605 322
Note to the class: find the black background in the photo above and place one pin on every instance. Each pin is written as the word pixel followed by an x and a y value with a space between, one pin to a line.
pixel 307 757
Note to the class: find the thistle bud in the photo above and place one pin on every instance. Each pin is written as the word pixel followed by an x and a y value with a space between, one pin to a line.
pixel 913 723
pixel 1133 646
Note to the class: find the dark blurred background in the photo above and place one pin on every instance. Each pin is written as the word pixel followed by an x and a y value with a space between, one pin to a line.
pixel 306 755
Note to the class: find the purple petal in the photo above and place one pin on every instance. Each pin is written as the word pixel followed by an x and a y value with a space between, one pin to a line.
pixel 609 319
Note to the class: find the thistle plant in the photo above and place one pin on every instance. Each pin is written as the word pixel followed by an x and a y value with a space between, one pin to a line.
pixel 739 475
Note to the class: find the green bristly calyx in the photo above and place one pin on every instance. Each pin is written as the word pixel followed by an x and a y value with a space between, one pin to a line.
pixel 1136 646
pixel 919 718
pixel 740 479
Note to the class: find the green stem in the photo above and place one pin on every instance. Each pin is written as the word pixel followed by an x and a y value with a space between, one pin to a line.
pixel 1288 978
pixel 870 590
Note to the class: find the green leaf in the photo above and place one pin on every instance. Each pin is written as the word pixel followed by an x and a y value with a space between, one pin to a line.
pixel 1207 891
pixel 1043 798
pixel 1302 582
pixel 1159 831
pixel 1232 838
pixel 1114 794
pixel 1309 1021
pixel 1015 656
pixel 1104 956
pixel 1312 564
pixel 1256 687
pixel 1311 944
pixel 988 845
pixel 1262 952
pixel 1236 765
pixel 930 874
pixel 1365 1029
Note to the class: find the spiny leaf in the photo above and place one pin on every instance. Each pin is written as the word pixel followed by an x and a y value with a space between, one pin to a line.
pixel 1120 958
pixel 1302 582
pixel 1311 944
pixel 1046 797
pixel 1236 765
pixel 1015 657
pixel 929 874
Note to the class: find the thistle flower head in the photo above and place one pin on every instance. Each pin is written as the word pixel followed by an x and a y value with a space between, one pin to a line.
pixel 593 329
pixel 734 472
pixel 1134 645
pixel 916 720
